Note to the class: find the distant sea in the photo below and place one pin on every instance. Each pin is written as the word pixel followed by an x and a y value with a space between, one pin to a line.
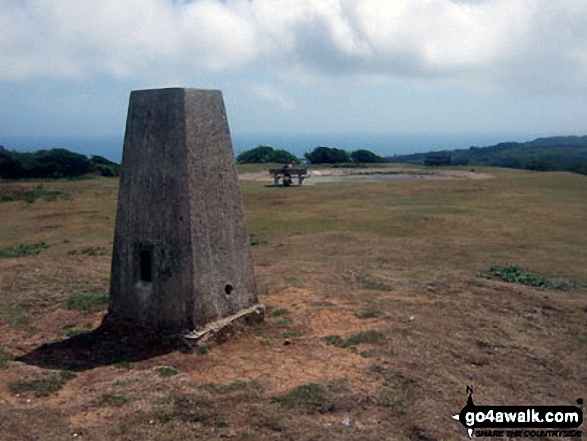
pixel 381 144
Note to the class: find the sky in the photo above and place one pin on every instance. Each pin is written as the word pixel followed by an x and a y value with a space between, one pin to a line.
pixel 465 67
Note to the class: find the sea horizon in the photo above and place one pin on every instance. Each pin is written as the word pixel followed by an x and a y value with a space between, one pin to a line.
pixel 383 144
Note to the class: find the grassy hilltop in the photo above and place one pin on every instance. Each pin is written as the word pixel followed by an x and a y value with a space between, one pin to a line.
pixel 561 153
pixel 377 317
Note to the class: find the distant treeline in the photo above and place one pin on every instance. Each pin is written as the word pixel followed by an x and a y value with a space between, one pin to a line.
pixel 320 155
pixel 54 163
pixel 567 153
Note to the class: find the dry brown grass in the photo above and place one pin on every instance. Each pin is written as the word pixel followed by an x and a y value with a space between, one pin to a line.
pixel 394 260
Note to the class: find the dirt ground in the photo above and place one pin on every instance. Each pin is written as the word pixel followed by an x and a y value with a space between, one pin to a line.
pixel 368 335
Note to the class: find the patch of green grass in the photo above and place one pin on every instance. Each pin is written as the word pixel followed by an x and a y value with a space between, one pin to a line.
pixel 514 274
pixel 322 304
pixel 371 337
pixel 279 312
pixel 42 387
pixel 86 303
pixel 203 350
pixel 5 358
pixel 368 313
pixel 167 371
pixel 396 392
pixel 307 398
pixel 290 334
pixel 334 340
pixel 114 400
pixel 23 249
pixel 376 286
pixel 283 323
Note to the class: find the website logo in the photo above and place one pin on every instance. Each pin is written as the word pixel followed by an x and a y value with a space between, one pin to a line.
pixel 520 421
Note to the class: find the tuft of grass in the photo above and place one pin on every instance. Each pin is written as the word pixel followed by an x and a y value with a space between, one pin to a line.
pixel 290 334
pixel 368 313
pixel 279 312
pixel 43 387
pixel 86 303
pixel 307 398
pixel 167 371
pixel 5 358
pixel 514 274
pixel 23 249
pixel 334 340
pixel 370 337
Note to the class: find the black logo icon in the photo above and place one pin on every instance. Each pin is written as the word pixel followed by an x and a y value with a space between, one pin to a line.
pixel 474 417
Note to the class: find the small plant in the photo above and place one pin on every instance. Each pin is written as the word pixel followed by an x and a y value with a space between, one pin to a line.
pixel 24 249
pixel 514 274
pixel 167 371
pixel 203 350
pixel 307 398
pixel 86 303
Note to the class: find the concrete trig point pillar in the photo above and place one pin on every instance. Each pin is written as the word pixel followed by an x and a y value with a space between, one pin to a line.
pixel 181 259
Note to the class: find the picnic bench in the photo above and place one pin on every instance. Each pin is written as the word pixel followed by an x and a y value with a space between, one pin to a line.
pixel 286 174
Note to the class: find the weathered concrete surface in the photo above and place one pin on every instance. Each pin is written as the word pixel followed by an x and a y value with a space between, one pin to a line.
pixel 181 250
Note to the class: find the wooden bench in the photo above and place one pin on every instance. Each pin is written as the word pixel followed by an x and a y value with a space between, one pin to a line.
pixel 280 173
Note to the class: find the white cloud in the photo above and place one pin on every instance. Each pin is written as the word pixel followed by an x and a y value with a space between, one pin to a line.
pixel 492 41
pixel 270 94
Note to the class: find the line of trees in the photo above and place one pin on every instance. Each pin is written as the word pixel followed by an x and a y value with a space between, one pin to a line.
pixel 544 154
pixel 320 155
pixel 52 164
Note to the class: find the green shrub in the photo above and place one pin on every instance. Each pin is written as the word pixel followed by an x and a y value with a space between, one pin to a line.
pixel 514 274
pixel 264 154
